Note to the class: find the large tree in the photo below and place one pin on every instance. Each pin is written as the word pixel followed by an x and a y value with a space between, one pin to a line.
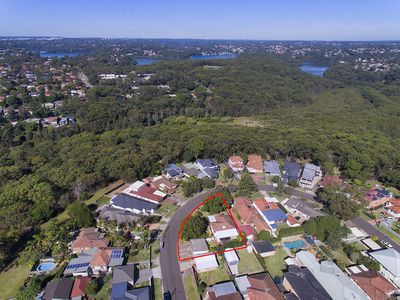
pixel 195 227
pixel 247 184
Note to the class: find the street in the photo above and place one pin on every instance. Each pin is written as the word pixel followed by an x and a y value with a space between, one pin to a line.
pixel 296 193
pixel 170 269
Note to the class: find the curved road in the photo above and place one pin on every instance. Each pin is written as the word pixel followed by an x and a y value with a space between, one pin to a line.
pixel 170 269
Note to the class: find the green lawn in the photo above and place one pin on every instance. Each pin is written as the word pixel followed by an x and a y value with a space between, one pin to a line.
pixel 389 234
pixel 215 276
pixel 104 200
pixel 275 263
pixel 143 254
pixel 167 209
pixel 12 280
pixel 190 287
pixel 157 289
pixel 105 291
pixel 341 257
pixel 248 262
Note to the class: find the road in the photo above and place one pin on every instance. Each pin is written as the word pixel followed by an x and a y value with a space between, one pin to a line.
pixel 170 269
pixel 373 231
pixel 84 79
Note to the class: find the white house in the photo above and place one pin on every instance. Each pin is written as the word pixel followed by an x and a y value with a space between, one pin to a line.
pixel 310 176
pixel 206 263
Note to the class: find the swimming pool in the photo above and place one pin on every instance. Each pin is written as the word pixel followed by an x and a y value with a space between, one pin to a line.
pixel 46 266
pixel 295 244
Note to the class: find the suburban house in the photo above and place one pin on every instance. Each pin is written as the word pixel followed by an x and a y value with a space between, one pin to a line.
pixel 378 197
pixel 161 183
pixel 79 288
pixel 336 283
pixel 393 207
pixel 255 164
pixel 141 190
pixel 223 228
pixel 236 163
pixel 208 166
pixel 95 261
pixel 248 231
pixel 302 283
pixel 271 168
pixel 59 288
pixel 301 208
pixel 174 172
pixel 192 170
pixel 329 180
pixel 310 176
pixel 222 291
pixel 133 204
pixel 118 215
pixel 291 171
pixel 374 284
pixel 264 248
pixel 258 286
pixel 389 259
pixel 198 246
pixel 124 280
pixel 270 212
pixel 89 238
pixel 249 214
pixel 206 263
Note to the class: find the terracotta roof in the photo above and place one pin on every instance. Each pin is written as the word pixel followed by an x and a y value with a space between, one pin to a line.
pixel 330 180
pixel 236 161
pixel 263 287
pixel 89 238
pixel 101 258
pixel 223 222
pixel 245 210
pixel 159 182
pixel 374 284
pixel 292 220
pixel 255 162
pixel 263 204
pixel 147 192
pixel 260 224
pixel 247 230
pixel 79 287
pixel 395 209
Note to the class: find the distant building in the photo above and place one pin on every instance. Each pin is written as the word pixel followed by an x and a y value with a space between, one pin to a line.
pixel 255 164
pixel 393 207
pixel 291 171
pixel 310 176
pixel 236 163
pixel 271 168
pixel 378 197
pixel 174 172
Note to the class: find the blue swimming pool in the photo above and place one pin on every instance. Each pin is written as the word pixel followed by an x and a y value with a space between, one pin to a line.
pixel 295 244
pixel 46 266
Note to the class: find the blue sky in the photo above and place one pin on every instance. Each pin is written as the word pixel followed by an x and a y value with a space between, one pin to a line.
pixel 214 19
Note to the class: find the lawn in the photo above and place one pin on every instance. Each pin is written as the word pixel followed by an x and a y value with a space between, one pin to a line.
pixel 142 254
pixel 248 262
pixel 215 276
pixel 167 209
pixel 275 263
pixel 389 234
pixel 157 289
pixel 340 256
pixel 12 280
pixel 104 200
pixel 190 287
pixel 105 291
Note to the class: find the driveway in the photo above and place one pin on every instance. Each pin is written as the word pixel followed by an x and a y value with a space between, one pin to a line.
pixel 170 269
pixel 372 230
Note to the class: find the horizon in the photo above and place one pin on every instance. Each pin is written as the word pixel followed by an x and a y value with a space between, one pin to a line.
pixel 288 20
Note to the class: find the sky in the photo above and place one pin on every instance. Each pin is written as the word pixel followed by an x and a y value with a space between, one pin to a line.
pixel 206 19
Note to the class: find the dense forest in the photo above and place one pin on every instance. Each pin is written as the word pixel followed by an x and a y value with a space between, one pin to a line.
pixel 349 124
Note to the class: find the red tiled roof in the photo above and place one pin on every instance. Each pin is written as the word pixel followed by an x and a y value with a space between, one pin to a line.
pixel 101 258
pixel 374 284
pixel 260 224
pixel 262 287
pixel 147 192
pixel 292 220
pixel 247 230
pixel 263 204
pixel 330 180
pixel 79 287
pixel 223 222
pixel 395 209
pixel 255 162
pixel 89 238
pixel 236 161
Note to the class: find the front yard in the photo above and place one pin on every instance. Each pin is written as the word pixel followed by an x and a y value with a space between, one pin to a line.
pixel 190 286
pixel 212 277
pixel 157 289
pixel 248 262
pixel 275 263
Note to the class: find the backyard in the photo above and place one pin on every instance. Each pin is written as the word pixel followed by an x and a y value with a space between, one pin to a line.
pixel 275 263
pixel 248 262
pixel 12 280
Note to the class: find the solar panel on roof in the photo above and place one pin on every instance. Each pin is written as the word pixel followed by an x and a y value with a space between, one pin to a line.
pixel 116 253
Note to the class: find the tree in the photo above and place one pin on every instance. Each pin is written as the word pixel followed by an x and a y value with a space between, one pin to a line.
pixel 92 287
pixel 195 227
pixel 275 179
pixel 214 206
pixel 208 183
pixel 80 214
pixel 227 173
pixel 246 184
pixel 293 183
pixel 263 235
